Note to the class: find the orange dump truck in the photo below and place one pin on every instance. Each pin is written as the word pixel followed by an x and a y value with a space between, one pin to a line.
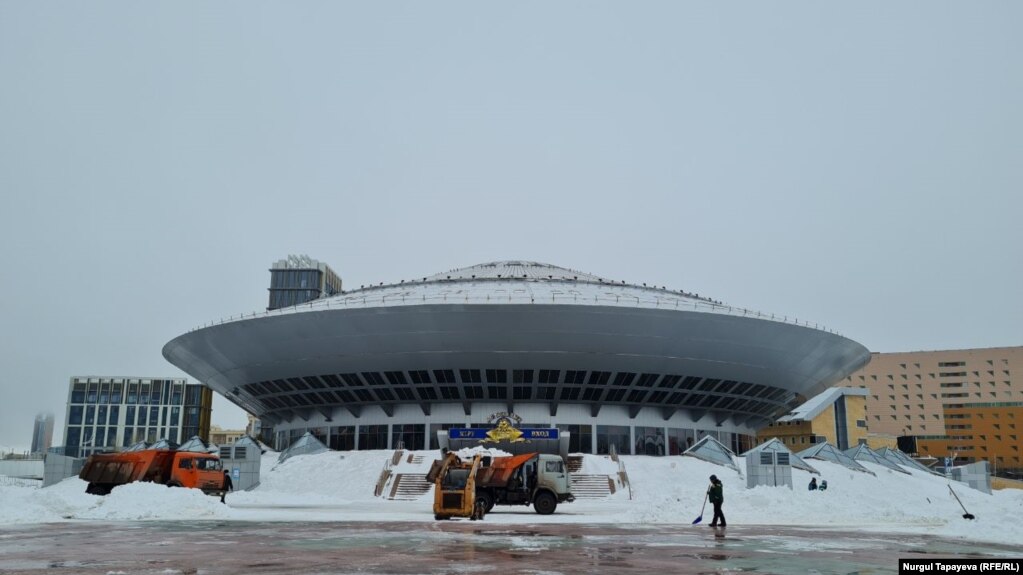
pixel 171 468
pixel 471 488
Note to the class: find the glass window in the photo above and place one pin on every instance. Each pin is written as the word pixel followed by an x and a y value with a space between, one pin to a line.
pixel 522 376
pixel 78 396
pixel 497 376
pixel 208 465
pixel 101 415
pixel 185 464
pixel 92 394
pixel 612 435
pixel 649 441
pixel 75 417
pixel 680 440
pixel 522 392
pixel 342 438
pixel 175 418
pixel 74 436
pixel 90 415
pixel 408 436
pixel 154 416
pixel 444 375
pixel 580 437
pixel 554 467
pixel 372 437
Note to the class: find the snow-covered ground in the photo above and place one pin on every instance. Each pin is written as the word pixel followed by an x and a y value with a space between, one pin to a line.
pixel 335 486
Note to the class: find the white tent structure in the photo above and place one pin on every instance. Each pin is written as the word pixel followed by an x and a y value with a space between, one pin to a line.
pixel 303 446
pixel 713 451
pixel 164 444
pixel 195 444
pixel 900 458
pixel 828 452
pixel 775 444
pixel 863 453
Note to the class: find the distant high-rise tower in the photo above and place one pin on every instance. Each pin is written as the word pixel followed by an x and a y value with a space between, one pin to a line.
pixel 42 433
pixel 300 279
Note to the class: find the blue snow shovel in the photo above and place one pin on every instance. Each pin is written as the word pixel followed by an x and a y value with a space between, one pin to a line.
pixel 700 518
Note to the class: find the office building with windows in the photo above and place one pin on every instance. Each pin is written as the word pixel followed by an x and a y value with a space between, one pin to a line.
pixel 965 404
pixel 300 279
pixel 111 413
pixel 42 433
pixel 633 368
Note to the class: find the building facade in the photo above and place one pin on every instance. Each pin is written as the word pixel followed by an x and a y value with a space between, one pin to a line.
pixel 42 433
pixel 624 367
pixel 836 416
pixel 965 404
pixel 220 436
pixel 300 279
pixel 111 413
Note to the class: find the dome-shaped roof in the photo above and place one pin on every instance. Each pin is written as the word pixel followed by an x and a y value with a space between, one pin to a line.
pixel 514 269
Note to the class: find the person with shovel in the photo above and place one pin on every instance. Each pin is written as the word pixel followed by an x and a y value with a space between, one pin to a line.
pixel 717 496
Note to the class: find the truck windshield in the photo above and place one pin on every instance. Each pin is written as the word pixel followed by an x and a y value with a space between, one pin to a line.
pixel 456 479
pixel 209 464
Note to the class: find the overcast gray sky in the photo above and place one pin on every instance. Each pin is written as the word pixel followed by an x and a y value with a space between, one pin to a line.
pixel 854 164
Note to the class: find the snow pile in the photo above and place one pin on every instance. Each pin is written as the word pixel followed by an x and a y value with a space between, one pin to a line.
pixel 68 500
pixel 328 478
pixel 598 465
pixel 334 486
pixel 139 500
pixel 469 452
pixel 672 490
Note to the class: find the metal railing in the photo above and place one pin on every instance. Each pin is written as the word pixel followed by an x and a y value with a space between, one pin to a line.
pixel 667 303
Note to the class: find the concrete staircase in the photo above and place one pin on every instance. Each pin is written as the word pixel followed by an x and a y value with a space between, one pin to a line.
pixel 409 486
pixel 592 486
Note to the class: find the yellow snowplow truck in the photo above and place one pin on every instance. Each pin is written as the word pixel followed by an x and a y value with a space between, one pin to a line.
pixel 471 488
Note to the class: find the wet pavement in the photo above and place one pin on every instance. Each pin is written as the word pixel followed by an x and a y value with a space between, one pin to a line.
pixel 223 548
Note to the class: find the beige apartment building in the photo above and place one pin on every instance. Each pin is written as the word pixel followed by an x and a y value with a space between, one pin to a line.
pixel 220 436
pixel 964 403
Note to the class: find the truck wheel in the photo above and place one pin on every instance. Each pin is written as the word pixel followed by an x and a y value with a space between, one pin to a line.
pixel 441 517
pixel 545 503
pixel 486 499
pixel 173 484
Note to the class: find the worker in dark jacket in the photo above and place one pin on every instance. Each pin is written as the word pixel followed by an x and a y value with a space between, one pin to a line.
pixel 716 494
pixel 813 484
pixel 228 486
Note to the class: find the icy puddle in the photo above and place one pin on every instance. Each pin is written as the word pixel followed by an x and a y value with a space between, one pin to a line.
pixel 223 548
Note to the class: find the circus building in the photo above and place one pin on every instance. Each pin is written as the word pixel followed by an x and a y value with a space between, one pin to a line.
pixel 610 365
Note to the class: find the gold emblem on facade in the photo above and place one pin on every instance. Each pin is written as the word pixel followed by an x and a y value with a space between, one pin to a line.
pixel 504 432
